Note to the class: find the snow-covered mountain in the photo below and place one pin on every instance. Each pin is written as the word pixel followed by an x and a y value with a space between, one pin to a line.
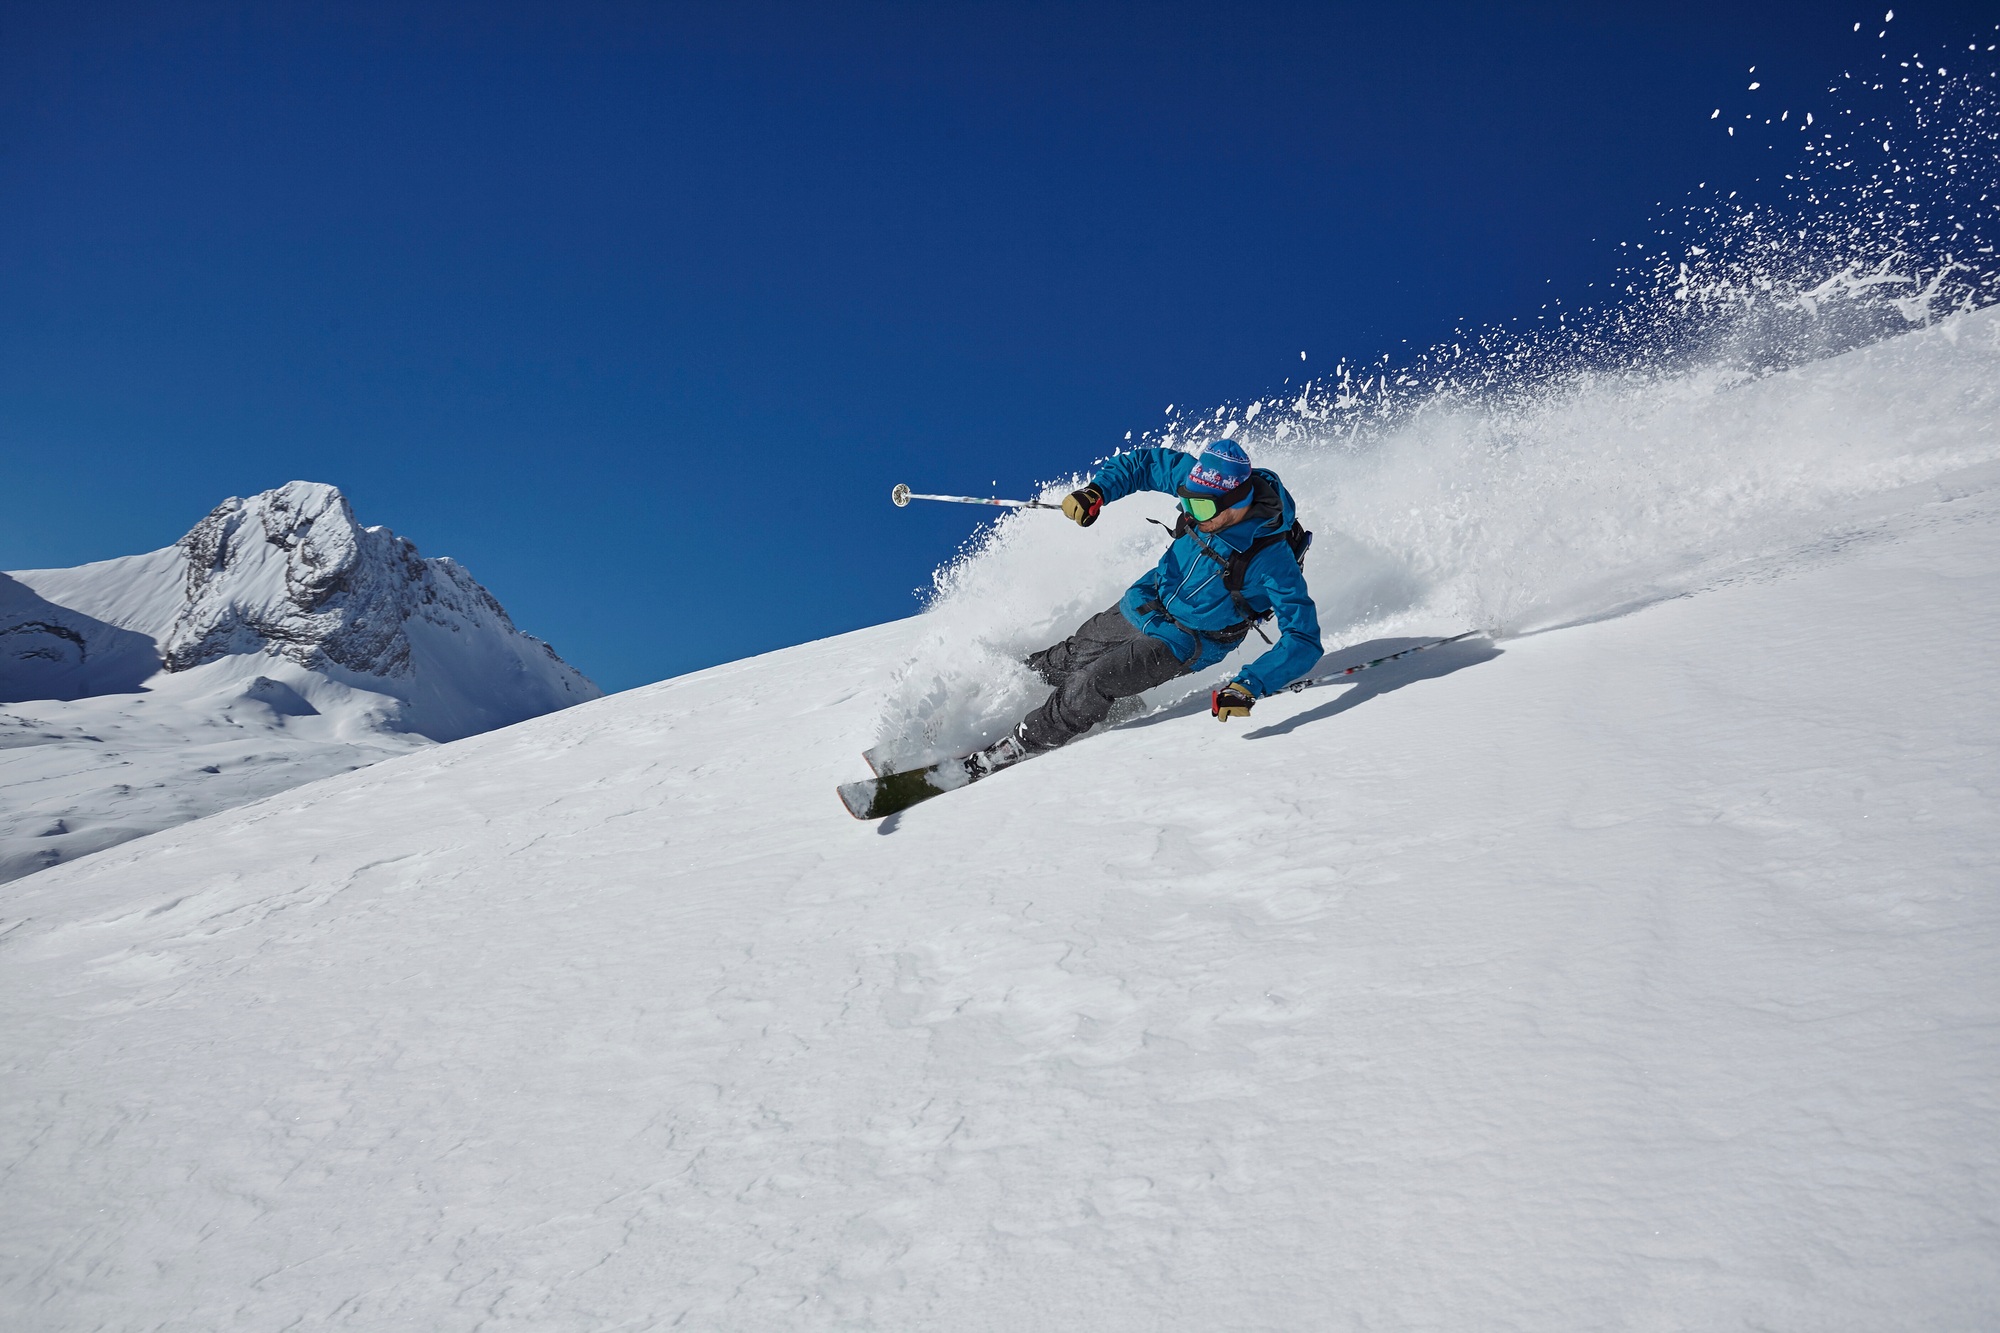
pixel 277 642
pixel 1639 969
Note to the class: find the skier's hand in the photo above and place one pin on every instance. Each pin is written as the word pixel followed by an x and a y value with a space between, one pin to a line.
pixel 1083 505
pixel 1232 700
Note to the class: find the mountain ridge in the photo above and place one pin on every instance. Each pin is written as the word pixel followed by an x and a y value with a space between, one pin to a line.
pixel 279 639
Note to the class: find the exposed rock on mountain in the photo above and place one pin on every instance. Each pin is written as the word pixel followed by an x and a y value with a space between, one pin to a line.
pixel 290 571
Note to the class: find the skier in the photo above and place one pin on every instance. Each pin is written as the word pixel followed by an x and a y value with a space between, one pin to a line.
pixel 1236 560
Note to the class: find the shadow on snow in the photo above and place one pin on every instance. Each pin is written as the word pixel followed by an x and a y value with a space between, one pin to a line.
pixel 1384 679
pixel 1371 684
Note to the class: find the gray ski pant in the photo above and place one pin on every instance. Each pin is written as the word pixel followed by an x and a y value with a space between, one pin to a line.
pixel 1104 661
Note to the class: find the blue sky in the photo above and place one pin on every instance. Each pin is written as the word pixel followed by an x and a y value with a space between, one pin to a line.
pixel 639 310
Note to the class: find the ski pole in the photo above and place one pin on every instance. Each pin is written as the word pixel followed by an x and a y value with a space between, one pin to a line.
pixel 902 496
pixel 1298 685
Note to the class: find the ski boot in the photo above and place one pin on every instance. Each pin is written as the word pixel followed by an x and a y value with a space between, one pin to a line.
pixel 1008 750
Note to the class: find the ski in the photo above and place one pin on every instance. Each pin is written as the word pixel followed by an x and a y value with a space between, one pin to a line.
pixel 876 798
pixel 1324 677
pixel 888 793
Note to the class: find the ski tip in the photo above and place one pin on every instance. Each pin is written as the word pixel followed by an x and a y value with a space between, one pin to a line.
pixel 858 797
pixel 874 798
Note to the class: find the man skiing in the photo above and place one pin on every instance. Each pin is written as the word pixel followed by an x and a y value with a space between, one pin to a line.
pixel 1236 560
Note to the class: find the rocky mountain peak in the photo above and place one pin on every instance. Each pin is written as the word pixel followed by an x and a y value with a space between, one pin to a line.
pixel 309 521
pixel 291 572
pixel 285 579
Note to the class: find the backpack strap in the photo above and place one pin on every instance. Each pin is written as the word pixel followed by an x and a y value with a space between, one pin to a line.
pixel 1236 567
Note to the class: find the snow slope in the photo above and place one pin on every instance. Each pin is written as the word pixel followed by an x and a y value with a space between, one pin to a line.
pixel 1640 973
pixel 278 642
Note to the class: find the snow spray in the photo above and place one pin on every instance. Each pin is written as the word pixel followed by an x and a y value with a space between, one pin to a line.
pixel 1760 373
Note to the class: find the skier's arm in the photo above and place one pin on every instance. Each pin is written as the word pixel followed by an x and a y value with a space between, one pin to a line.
pixel 1298 644
pixel 1142 470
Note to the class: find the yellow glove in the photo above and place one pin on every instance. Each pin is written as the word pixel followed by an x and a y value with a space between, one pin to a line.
pixel 1232 700
pixel 1082 506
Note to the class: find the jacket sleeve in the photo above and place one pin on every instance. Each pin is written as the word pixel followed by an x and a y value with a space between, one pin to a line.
pixel 1142 470
pixel 1298 647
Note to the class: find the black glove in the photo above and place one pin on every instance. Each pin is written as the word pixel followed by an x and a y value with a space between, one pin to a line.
pixel 1083 505
pixel 1232 700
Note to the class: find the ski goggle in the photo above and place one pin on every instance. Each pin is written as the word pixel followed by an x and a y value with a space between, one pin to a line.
pixel 1203 507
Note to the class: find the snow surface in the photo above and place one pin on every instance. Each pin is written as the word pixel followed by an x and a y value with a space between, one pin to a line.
pixel 1640 970
pixel 79 776
pixel 277 643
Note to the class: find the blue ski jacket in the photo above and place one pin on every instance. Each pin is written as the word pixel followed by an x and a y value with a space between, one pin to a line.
pixel 1182 596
